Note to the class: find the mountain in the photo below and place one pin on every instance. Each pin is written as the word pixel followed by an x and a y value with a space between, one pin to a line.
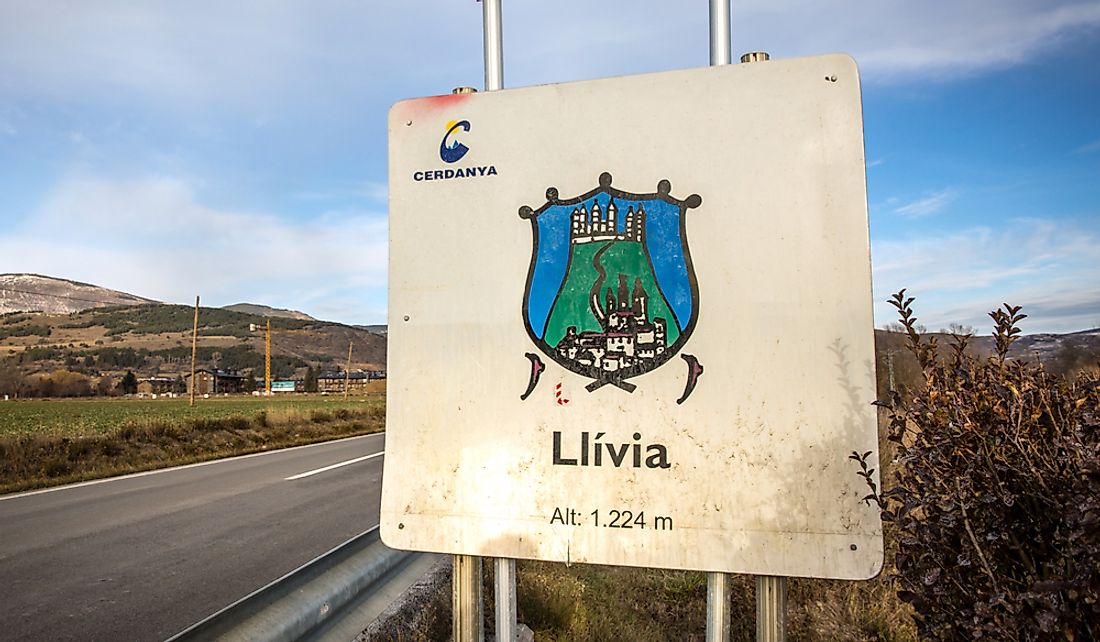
pixel 154 339
pixel 267 311
pixel 49 324
pixel 37 293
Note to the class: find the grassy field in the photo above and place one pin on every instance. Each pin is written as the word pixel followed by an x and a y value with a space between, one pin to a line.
pixel 49 442
pixel 85 417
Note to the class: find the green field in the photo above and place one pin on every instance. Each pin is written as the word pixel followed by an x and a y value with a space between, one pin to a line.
pixel 78 417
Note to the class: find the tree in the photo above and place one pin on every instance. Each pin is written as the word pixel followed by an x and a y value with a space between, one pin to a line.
pixel 70 384
pixel 105 386
pixel 250 382
pixel 311 379
pixel 129 383
pixel 960 328
pixel 11 380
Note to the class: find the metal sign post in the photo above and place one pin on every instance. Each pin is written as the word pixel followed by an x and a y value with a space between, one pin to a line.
pixel 468 617
pixel 718 588
pixel 504 592
pixel 771 608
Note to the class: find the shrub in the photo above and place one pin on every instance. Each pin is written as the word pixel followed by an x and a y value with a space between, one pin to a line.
pixel 60 383
pixel 996 502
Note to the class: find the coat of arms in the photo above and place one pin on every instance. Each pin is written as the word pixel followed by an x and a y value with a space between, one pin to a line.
pixel 611 292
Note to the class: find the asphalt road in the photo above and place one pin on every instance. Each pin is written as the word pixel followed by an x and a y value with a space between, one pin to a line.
pixel 145 556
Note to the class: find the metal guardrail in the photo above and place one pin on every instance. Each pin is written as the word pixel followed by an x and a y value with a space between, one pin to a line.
pixel 296 604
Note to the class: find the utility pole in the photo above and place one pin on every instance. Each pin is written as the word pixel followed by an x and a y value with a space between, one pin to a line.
pixel 347 373
pixel 267 360
pixel 194 345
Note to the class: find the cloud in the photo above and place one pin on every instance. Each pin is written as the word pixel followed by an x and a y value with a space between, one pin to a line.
pixel 1088 148
pixel 1052 269
pixel 249 57
pixel 876 162
pixel 153 237
pixel 928 205
pixel 893 40
pixel 899 41
pixel 263 57
pixel 375 191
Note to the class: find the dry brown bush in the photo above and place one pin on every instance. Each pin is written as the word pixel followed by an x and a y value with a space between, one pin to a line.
pixel 995 504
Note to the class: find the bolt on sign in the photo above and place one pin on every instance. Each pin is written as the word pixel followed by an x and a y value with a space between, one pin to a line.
pixel 630 323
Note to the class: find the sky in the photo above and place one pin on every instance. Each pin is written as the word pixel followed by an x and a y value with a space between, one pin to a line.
pixel 237 150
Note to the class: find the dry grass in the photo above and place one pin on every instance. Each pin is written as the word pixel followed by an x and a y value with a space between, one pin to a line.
pixel 33 461
pixel 585 603
pixel 89 416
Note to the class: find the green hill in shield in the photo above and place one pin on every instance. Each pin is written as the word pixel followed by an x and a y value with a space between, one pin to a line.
pixel 573 308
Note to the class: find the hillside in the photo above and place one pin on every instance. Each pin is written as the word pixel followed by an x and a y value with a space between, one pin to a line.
pixel 155 340
pixel 34 292
pixel 1059 353
pixel 267 311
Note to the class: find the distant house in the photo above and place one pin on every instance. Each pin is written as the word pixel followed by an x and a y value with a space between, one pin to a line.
pixel 358 382
pixel 155 386
pixel 213 381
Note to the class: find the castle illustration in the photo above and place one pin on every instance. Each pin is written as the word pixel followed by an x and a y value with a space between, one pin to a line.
pixel 604 225
pixel 628 338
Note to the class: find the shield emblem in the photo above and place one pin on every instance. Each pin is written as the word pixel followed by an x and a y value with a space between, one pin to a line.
pixel 611 292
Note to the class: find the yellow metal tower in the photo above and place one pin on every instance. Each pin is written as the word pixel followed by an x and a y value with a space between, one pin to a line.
pixel 267 360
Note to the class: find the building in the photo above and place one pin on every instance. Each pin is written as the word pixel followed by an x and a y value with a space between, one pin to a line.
pixel 216 382
pixel 628 339
pixel 358 382
pixel 155 386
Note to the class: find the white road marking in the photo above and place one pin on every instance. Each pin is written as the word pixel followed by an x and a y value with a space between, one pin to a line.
pixel 328 468
pixel 158 471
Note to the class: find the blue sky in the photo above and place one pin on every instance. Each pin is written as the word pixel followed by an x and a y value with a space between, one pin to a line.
pixel 238 150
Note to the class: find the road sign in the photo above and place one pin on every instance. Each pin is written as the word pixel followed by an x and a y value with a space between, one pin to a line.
pixel 282 386
pixel 630 323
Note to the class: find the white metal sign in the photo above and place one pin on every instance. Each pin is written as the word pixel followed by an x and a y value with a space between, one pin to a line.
pixel 630 323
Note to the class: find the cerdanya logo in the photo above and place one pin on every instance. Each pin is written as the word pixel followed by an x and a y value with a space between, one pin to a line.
pixel 452 151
